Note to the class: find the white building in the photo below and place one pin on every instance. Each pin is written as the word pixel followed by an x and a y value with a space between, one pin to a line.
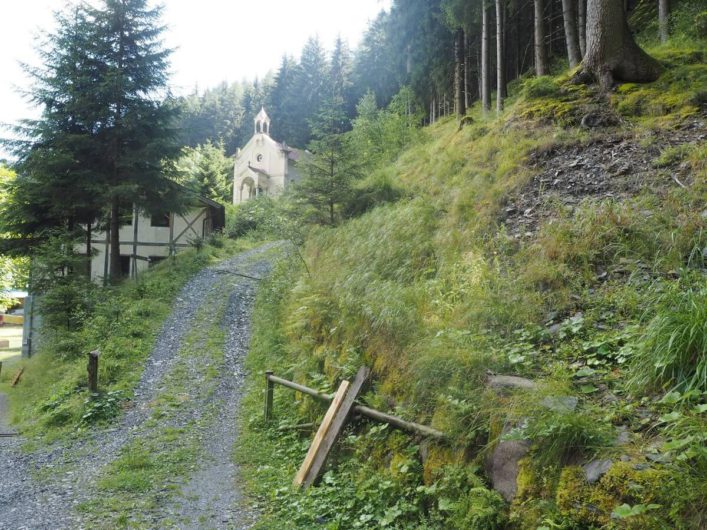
pixel 149 239
pixel 264 166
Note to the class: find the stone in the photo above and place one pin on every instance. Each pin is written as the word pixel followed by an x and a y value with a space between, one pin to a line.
pixel 595 469
pixel 622 435
pixel 560 403
pixel 502 467
pixel 499 382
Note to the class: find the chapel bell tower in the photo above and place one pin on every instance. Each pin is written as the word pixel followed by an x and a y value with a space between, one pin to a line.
pixel 262 122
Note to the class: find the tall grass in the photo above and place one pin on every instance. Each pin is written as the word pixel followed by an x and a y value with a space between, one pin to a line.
pixel 673 353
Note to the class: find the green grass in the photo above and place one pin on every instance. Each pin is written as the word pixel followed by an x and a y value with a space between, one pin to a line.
pixel 673 350
pixel 52 397
pixel 431 293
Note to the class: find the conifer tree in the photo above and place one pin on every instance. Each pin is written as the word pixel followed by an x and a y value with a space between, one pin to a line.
pixel 310 85
pixel 136 128
pixel 56 188
pixel 332 169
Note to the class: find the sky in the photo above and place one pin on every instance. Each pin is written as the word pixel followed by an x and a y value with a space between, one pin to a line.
pixel 214 40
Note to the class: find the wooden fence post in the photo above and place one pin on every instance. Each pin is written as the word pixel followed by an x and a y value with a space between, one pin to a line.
pixel 270 386
pixel 93 371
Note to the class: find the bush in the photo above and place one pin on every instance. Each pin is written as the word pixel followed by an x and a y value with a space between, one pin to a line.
pixel 673 349
pixel 255 215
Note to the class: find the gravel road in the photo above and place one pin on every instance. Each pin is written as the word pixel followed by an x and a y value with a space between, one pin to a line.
pixel 41 489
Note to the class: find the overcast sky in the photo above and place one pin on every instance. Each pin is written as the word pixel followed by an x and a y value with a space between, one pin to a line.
pixel 215 40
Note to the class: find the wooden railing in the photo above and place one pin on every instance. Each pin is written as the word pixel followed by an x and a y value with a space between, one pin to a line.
pixel 271 380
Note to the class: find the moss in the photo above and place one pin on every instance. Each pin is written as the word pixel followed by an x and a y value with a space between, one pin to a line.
pixel 625 483
pixel 551 110
pixel 678 94
pixel 436 459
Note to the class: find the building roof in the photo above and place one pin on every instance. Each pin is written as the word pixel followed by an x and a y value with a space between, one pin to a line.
pixel 262 115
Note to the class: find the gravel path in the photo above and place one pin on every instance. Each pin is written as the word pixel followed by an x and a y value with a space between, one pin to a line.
pixel 40 490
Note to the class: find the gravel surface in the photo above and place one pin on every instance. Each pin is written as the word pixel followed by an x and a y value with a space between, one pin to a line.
pixel 39 490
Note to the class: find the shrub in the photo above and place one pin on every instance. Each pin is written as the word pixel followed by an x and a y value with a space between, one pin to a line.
pixel 673 349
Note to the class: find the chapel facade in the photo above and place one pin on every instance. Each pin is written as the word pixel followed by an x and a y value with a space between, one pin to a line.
pixel 264 166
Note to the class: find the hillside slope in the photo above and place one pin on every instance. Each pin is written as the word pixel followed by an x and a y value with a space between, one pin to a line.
pixel 563 242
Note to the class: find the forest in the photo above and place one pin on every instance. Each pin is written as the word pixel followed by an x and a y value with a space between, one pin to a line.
pixel 501 214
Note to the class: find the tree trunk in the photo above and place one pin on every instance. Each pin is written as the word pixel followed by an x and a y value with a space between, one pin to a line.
pixel 467 76
pixel 500 57
pixel 540 54
pixel 89 249
pixel 115 272
pixel 569 17
pixel 663 10
pixel 485 74
pixel 612 54
pixel 459 79
pixel 582 25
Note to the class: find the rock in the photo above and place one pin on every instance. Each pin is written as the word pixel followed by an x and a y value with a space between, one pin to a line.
pixel 595 469
pixel 560 403
pixel 509 381
pixel 502 467
pixel 554 329
pixel 622 435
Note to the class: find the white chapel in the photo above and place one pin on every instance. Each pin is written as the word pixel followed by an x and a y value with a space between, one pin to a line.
pixel 264 166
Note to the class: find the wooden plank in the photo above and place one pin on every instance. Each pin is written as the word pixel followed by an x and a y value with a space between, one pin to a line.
pixel 336 427
pixel 321 433
pixel 17 377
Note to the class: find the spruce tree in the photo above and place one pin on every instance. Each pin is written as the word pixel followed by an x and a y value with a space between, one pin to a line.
pixel 57 187
pixel 310 85
pixel 330 172
pixel 136 128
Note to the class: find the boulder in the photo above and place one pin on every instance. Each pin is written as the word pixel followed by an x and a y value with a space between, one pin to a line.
pixel 502 466
pixel 500 382
pixel 595 469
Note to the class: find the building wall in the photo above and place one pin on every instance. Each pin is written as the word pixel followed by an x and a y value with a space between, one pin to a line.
pixel 273 161
pixel 152 241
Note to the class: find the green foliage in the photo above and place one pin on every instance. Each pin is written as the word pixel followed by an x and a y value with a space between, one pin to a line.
pixel 673 352
pixel 330 172
pixel 258 215
pixel 100 408
pixel 14 271
pixel 379 135
pixel 122 324
pixel 66 295
pixel 432 292
pixel 206 170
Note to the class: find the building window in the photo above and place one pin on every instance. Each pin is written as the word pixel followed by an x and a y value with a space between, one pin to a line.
pixel 160 219
pixel 125 266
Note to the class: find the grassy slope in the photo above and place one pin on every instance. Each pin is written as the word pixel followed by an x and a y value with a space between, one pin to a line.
pixel 432 292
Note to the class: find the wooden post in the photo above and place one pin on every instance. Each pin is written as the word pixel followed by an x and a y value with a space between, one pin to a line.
pixel 336 427
pixel 304 470
pixel 0 367
pixel 269 387
pixel 93 371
